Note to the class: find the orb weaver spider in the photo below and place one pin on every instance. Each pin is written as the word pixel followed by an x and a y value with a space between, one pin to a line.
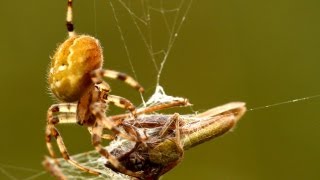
pixel 76 80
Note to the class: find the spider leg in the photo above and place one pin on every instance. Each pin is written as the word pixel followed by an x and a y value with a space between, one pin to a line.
pixel 150 109
pixel 161 106
pixel 125 104
pixel 69 23
pixel 51 120
pixel 98 110
pixel 99 73
pixel 53 168
pixel 121 103
pixel 51 131
pixel 103 136
pixel 132 130
pixel 118 101
pixel 101 122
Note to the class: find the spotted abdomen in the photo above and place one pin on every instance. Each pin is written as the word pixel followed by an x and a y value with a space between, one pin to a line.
pixel 74 59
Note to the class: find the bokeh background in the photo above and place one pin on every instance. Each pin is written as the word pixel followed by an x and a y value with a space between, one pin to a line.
pixel 259 52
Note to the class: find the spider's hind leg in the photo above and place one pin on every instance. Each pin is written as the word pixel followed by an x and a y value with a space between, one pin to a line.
pixel 62 113
pixel 58 113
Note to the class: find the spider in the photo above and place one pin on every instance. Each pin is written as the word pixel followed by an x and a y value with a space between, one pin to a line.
pixel 76 80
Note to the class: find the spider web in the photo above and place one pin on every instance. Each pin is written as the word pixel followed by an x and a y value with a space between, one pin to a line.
pixel 144 15
pixel 143 18
pixel 150 20
pixel 90 159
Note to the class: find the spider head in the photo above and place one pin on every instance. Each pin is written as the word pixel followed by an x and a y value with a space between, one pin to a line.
pixel 74 59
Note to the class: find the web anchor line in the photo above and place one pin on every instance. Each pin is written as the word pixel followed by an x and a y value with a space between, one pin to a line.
pixel 284 102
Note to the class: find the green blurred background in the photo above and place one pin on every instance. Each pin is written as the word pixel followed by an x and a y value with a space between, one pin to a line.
pixel 259 52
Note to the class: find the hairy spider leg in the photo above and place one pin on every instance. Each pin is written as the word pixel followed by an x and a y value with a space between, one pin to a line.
pixel 118 101
pixel 65 113
pixel 69 24
pixel 99 73
pixel 61 108
pixel 51 131
pixel 121 103
pixel 53 168
pixel 98 111
pixel 145 110
pixel 104 136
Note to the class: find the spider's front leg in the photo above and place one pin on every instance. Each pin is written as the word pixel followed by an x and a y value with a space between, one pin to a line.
pixel 103 121
pixel 121 103
pixel 62 113
pixel 99 73
pixel 105 98
pixel 145 110
pixel 118 101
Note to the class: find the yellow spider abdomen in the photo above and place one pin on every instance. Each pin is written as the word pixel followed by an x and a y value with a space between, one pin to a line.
pixel 74 59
